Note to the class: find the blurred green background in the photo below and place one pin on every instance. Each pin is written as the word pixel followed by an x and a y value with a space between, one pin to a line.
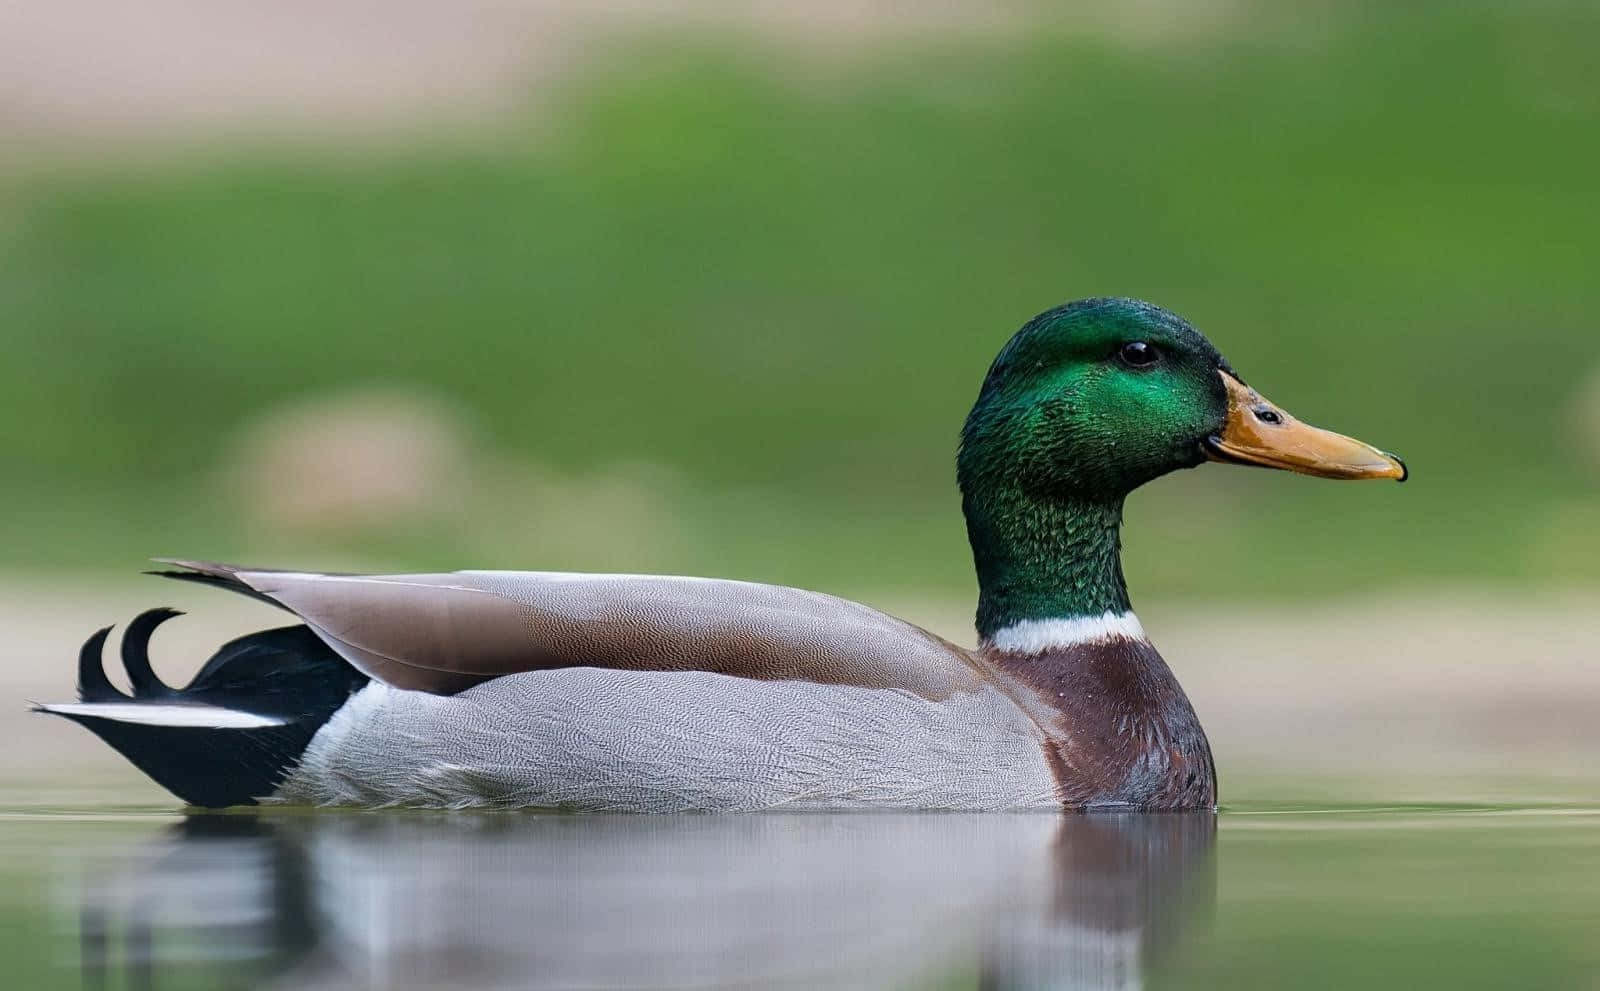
pixel 716 300
pixel 701 287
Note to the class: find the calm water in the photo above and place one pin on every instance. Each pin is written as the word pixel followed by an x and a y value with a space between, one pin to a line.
pixel 1255 897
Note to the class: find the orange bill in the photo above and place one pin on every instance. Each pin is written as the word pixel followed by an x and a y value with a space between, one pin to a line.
pixel 1259 433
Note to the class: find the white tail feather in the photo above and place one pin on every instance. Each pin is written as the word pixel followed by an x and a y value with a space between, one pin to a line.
pixel 165 714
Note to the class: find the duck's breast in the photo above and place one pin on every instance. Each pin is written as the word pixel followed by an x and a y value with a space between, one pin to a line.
pixel 1121 730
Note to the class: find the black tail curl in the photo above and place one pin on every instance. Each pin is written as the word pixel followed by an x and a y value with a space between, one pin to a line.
pixel 286 674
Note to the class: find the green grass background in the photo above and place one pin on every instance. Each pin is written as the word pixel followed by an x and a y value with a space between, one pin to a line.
pixel 782 280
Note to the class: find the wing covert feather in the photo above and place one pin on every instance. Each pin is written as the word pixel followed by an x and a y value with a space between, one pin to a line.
pixel 445 632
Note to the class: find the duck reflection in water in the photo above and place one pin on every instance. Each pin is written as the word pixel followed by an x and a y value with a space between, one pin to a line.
pixel 814 900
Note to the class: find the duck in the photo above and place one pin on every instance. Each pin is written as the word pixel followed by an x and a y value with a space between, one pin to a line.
pixel 655 694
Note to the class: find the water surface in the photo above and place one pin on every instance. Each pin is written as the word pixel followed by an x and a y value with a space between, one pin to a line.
pixel 1502 896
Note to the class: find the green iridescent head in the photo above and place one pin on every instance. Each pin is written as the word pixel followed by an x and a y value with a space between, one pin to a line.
pixel 1095 398
pixel 1087 402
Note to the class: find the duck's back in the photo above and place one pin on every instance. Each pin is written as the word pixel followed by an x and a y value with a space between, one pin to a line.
pixel 445 632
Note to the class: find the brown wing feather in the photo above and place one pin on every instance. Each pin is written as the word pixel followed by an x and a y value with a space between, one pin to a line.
pixel 445 632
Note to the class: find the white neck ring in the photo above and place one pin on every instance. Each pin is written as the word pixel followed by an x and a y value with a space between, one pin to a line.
pixel 1035 636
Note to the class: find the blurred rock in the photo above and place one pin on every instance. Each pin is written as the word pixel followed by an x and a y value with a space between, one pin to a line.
pixel 404 463
pixel 357 459
pixel 622 516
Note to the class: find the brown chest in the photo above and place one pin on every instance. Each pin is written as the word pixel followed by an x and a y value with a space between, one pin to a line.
pixel 1120 731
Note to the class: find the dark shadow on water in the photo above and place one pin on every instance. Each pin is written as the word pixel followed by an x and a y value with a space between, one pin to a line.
pixel 1122 891
pixel 421 900
pixel 228 896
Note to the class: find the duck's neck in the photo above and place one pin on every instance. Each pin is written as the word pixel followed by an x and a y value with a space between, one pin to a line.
pixel 1046 561
pixel 1054 620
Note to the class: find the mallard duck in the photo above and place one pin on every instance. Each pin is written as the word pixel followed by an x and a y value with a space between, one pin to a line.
pixel 661 694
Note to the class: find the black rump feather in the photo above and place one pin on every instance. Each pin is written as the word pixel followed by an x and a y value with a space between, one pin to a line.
pixel 285 673
pixel 93 685
pixel 136 653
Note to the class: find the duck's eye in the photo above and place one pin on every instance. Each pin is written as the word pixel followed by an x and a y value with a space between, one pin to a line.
pixel 1138 354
